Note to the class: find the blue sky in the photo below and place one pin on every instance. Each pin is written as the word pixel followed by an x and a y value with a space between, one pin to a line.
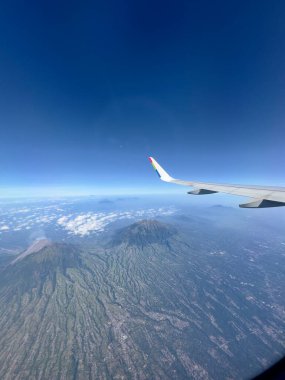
pixel 88 90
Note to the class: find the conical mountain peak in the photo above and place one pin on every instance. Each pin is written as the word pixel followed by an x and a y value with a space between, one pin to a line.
pixel 145 232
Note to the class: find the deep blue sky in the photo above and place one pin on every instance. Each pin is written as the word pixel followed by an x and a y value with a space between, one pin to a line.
pixel 89 89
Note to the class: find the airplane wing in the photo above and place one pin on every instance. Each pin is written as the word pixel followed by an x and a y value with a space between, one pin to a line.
pixel 262 196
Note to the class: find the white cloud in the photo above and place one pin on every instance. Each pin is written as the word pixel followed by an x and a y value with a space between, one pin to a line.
pixel 77 223
pixel 4 228
pixel 84 224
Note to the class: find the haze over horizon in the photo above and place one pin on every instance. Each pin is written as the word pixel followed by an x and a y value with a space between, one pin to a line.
pixel 89 91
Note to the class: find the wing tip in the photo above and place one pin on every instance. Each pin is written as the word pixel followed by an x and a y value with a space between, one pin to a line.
pixel 154 166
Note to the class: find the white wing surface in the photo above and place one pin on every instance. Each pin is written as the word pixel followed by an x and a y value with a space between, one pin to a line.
pixel 263 196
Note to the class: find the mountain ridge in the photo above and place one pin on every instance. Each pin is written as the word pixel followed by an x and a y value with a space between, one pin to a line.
pixel 149 305
pixel 36 246
pixel 144 232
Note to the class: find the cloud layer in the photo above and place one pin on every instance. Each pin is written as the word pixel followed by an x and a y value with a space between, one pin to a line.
pixel 67 217
pixel 84 224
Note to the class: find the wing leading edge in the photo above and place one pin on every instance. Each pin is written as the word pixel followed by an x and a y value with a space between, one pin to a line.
pixel 262 196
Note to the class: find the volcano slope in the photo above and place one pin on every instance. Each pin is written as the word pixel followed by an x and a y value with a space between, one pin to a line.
pixel 147 305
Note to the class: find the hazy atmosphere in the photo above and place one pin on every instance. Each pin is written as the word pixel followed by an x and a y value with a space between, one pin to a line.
pixel 108 268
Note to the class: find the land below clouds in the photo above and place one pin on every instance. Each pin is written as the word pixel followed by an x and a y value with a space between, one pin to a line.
pixel 153 300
